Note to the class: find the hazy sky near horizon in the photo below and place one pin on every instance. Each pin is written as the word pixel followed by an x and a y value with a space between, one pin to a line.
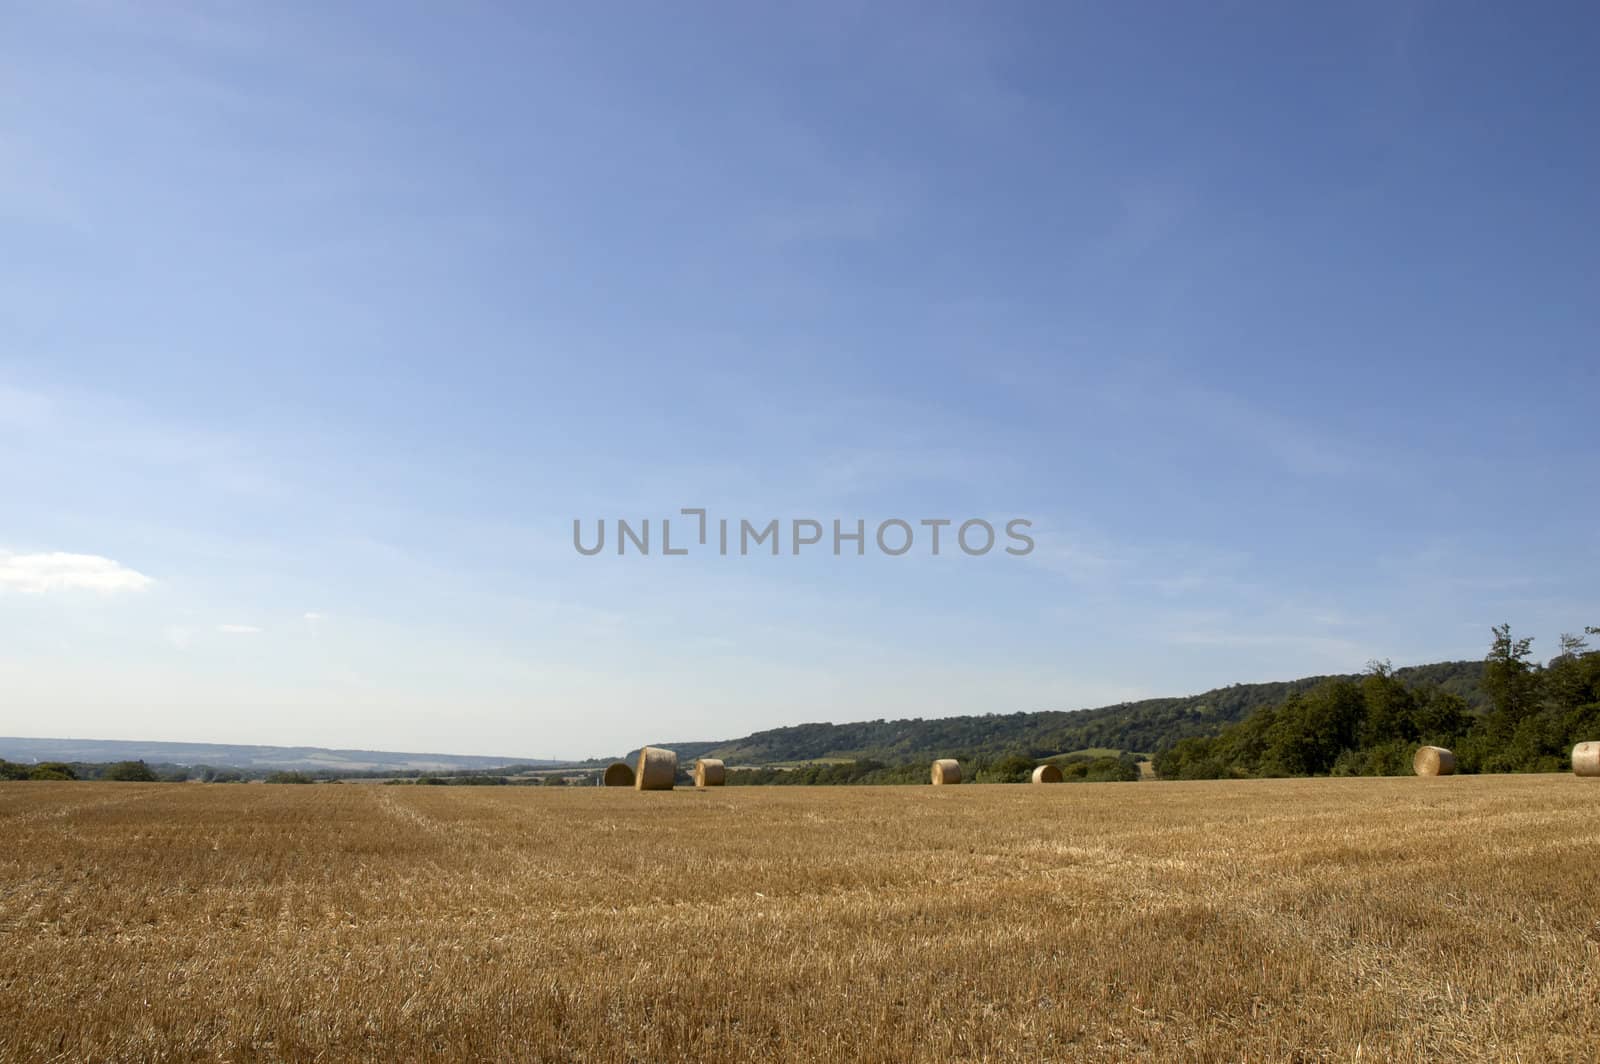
pixel 320 324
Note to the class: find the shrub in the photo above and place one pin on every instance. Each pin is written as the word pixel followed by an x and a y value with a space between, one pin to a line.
pixel 1392 758
pixel 129 772
pixel 1012 769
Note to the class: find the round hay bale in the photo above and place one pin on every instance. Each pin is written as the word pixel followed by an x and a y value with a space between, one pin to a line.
pixel 618 774
pixel 1434 761
pixel 1047 774
pixel 709 772
pixel 1586 759
pixel 946 770
pixel 658 769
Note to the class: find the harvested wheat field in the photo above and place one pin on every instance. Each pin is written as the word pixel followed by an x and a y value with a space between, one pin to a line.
pixel 1306 919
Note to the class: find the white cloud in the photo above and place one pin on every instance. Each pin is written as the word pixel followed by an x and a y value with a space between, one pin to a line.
pixel 314 621
pixel 238 629
pixel 35 574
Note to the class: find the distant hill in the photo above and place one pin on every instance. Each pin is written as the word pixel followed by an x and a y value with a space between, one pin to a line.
pixel 221 755
pixel 688 751
pixel 1143 727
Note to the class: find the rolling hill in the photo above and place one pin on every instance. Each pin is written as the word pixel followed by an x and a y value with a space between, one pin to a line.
pixel 1144 726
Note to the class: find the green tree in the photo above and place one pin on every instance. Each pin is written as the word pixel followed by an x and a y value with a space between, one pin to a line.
pixel 1390 707
pixel 1442 717
pixel 1315 728
pixel 1510 678
pixel 129 772
pixel 1193 758
pixel 1566 676
pixel 1013 768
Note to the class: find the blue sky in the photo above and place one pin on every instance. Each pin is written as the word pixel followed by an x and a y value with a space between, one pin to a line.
pixel 318 328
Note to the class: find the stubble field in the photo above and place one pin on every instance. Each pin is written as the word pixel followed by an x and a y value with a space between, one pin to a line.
pixel 1304 919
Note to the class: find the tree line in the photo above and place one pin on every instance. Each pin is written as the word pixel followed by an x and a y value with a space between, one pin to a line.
pixel 1008 768
pixel 1370 726
pixel 1145 725
pixel 120 771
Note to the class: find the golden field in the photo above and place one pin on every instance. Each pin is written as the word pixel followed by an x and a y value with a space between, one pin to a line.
pixel 1401 919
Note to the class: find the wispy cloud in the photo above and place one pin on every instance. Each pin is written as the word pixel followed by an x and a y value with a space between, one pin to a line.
pixel 34 189
pixel 1075 560
pixel 36 574
pixel 1298 448
pixel 92 438
pixel 1331 646
pixel 1172 568
pixel 1291 438
pixel 238 629
pixel 1150 211
pixel 21 409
